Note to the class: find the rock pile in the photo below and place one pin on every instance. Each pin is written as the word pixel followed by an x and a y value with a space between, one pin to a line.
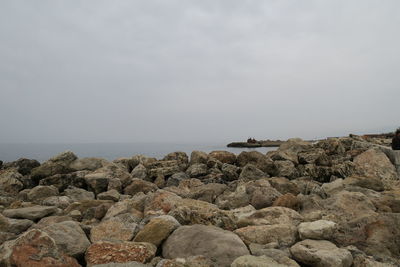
pixel 331 203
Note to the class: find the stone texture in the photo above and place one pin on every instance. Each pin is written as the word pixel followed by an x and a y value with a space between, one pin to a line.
pixel 321 229
pixel 321 253
pixel 198 157
pixel 197 170
pixel 59 164
pixel 78 194
pixel 69 237
pixel 157 230
pixel 31 213
pixel 103 252
pixel 282 234
pixel 34 248
pixel 116 228
pixel 10 182
pixel 219 245
pixel 224 156
pixel 138 185
pixel 254 261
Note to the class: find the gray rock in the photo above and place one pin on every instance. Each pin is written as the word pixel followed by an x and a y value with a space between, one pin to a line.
pixel 231 172
pixel 251 172
pixel 198 157
pixel 78 194
pixel 69 237
pixel 321 253
pixel 59 164
pixel 197 170
pixel 10 182
pixel 18 226
pixel 61 202
pixel 63 181
pixel 283 234
pixel 321 229
pixel 40 192
pixel 139 172
pixel 254 261
pixel 219 245
pixel 109 195
pixel 176 178
pixel 31 213
pixel 284 168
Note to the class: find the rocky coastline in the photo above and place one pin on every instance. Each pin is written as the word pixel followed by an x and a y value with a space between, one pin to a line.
pixel 331 203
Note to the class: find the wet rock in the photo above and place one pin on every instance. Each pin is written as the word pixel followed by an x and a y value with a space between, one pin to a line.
pixel 321 229
pixel 34 248
pixel 283 234
pixel 224 156
pixel 197 157
pixel 321 253
pixel 157 230
pixel 31 213
pixel 69 237
pixel 219 245
pixel 104 252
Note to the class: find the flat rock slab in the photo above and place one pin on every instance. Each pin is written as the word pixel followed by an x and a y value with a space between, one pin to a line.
pixel 321 253
pixel 218 245
pixel 320 229
pixel 31 213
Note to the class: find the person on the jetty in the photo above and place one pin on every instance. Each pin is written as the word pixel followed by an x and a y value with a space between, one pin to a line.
pixel 396 140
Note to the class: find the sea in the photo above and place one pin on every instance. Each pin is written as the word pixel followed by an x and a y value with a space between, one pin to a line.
pixel 111 151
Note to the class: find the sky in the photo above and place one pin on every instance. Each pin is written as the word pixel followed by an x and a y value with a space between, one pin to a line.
pixel 197 71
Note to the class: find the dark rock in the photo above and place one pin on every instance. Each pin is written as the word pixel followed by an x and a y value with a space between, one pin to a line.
pixel 22 165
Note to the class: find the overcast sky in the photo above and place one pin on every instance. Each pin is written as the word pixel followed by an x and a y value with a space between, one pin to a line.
pixel 209 70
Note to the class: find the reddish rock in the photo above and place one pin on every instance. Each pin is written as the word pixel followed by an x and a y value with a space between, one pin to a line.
pixel 34 248
pixel 119 252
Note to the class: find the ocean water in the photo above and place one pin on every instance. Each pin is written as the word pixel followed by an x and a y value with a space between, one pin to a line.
pixel 110 151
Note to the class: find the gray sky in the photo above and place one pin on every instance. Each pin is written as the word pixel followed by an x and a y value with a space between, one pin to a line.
pixel 163 71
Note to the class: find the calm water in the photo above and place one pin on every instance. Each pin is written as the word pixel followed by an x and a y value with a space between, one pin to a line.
pixel 109 151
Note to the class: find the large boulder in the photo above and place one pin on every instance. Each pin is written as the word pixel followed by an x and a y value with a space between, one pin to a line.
pixel 78 194
pixel 164 168
pixel 219 245
pixel 34 248
pixel 198 157
pixel 295 145
pixel 59 164
pixel 139 172
pixel 321 253
pixel 31 213
pixel 251 172
pixel 270 216
pixel 373 163
pixel 63 181
pixel 69 237
pixel 282 234
pixel 321 229
pixel 41 192
pixel 139 185
pixel 10 182
pixel 120 228
pixel 197 170
pixel 179 156
pixel 88 164
pixel 22 165
pixel 104 252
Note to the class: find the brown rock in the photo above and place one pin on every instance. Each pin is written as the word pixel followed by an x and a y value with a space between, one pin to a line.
pixel 34 249
pixel 119 252
pixel 138 185
pixel 157 230
pixel 287 200
pixel 224 156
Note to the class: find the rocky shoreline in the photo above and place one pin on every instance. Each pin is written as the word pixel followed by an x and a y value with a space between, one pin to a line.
pixel 335 202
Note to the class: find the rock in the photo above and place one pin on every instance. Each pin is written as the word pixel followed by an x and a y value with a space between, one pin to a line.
pixel 127 264
pixel 253 261
pixel 310 157
pixel 284 168
pixel 321 253
pixel 165 168
pixel 280 256
pixel 17 226
pixel 69 237
pixel 283 234
pixel 22 165
pixel 333 187
pixel 88 164
pixel 57 201
pixel 195 261
pixel 251 172
pixel 59 164
pixel 284 186
pixel 176 178
pixel 109 195
pixel 34 248
pixel 138 185
pixel 373 163
pixel 223 156
pixel 285 156
pixel 198 157
pixel 160 181
pixel 10 182
pixel 115 228
pixel 321 229
pixel 47 221
pixel 251 157
pixel 295 145
pixel 78 194
pixel 231 172
pixel 181 157
pixel 270 216
pixel 40 192
pixel 103 252
pixel 139 172
pixel 197 170
pixel 132 206
pixel 90 209
pixel 99 179
pixel 287 200
pixel 31 213
pixel 370 183
pixel 219 245
pixel 157 230
pixel 208 192
pixel 63 181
